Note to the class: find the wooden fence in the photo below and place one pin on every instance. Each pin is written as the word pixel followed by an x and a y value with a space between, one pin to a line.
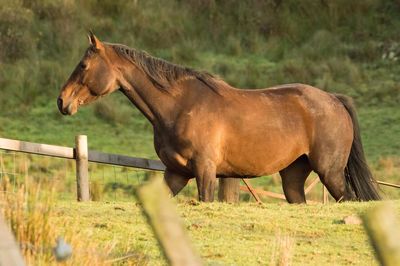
pixel 82 155
pixel 229 191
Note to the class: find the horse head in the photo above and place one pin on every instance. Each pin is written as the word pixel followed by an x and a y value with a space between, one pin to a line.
pixel 93 77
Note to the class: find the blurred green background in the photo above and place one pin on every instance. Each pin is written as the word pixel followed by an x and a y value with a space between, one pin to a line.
pixel 345 46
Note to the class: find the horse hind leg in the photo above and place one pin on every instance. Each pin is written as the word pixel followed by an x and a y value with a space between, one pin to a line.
pixel 293 178
pixel 334 181
pixel 330 165
pixel 331 174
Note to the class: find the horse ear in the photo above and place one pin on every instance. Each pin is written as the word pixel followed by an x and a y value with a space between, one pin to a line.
pixel 96 43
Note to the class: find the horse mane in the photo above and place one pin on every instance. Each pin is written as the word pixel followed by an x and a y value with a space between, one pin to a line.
pixel 163 73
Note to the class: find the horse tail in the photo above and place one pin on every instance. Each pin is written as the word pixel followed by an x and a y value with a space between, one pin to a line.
pixel 359 180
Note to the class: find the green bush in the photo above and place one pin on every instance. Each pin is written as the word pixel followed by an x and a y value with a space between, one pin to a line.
pixel 16 38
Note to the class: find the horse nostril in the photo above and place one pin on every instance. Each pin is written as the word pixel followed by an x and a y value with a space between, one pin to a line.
pixel 60 104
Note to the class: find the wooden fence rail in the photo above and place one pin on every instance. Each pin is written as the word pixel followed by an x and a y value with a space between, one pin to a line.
pixel 122 160
pixel 82 155
pixel 69 153
pixel 37 148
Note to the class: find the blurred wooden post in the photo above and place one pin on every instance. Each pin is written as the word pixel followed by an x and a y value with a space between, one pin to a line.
pixel 384 233
pixel 229 189
pixel 10 254
pixel 167 226
pixel 82 171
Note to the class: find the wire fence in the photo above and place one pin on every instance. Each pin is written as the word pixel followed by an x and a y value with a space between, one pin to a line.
pixel 107 182
pixel 115 183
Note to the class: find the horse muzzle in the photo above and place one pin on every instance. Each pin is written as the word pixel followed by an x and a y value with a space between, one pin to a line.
pixel 65 108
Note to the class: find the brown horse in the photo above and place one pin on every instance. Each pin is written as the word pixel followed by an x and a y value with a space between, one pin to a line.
pixel 204 128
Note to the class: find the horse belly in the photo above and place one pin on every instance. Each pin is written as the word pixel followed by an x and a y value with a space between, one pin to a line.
pixel 256 166
pixel 262 155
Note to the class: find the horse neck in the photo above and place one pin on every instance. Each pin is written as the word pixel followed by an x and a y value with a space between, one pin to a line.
pixel 155 104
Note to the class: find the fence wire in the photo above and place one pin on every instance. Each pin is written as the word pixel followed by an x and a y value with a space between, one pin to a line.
pixel 107 182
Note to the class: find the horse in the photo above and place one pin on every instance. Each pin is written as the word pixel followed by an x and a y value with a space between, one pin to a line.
pixel 206 129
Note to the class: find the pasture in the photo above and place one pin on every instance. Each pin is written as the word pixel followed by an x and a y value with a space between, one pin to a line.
pixel 223 234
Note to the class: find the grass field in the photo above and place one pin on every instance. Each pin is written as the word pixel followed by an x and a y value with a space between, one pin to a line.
pixel 225 234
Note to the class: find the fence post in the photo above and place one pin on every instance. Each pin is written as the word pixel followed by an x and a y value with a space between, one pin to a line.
pixel 383 230
pixel 10 253
pixel 82 164
pixel 325 195
pixel 170 232
pixel 229 189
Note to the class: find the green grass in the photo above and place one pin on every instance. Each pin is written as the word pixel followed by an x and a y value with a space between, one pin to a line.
pixel 225 234
pixel 380 131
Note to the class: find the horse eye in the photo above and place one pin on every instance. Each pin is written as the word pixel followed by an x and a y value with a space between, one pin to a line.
pixel 82 65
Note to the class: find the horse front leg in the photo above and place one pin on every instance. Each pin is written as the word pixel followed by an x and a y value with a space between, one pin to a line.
pixel 205 172
pixel 176 182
